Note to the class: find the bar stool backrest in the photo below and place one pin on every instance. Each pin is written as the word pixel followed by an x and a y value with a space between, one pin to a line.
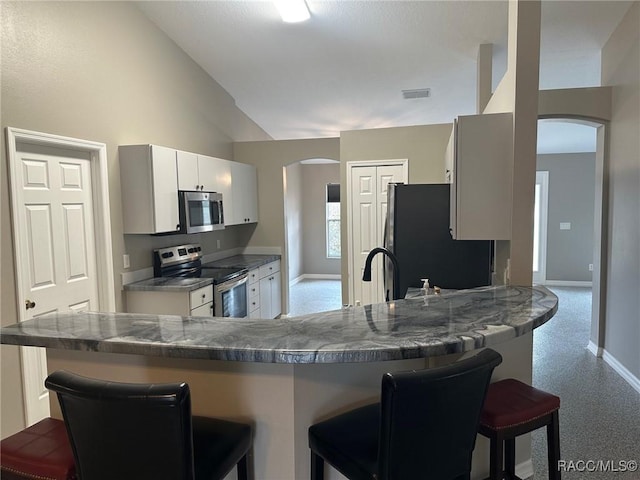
pixel 122 430
pixel 429 418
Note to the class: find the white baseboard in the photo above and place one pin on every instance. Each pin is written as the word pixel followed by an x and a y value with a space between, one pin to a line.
pixel 525 469
pixel 630 378
pixel 596 350
pixel 315 276
pixel 566 283
pixel 322 276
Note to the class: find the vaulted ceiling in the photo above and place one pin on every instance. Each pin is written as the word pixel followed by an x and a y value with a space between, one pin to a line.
pixel 346 67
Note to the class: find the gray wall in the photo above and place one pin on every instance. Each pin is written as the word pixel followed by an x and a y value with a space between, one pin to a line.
pixel 314 184
pixel 293 211
pixel 621 70
pixel 424 146
pixel 102 71
pixel 571 199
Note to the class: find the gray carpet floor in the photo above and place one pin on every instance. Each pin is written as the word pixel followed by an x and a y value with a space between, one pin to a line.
pixel 313 296
pixel 600 411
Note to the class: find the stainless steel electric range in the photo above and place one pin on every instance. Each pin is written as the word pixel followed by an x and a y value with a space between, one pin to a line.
pixel 229 284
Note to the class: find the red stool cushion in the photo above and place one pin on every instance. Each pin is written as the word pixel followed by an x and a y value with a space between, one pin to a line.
pixel 510 402
pixel 40 451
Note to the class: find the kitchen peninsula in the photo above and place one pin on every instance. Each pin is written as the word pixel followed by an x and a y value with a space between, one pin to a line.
pixel 288 373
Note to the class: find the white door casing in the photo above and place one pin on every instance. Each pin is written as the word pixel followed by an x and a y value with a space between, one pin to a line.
pixel 62 238
pixel 367 209
pixel 540 228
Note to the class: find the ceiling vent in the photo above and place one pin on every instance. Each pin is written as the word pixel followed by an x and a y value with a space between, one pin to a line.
pixel 416 93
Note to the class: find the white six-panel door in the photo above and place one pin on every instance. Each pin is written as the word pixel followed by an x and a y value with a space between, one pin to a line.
pixel 55 225
pixel 368 200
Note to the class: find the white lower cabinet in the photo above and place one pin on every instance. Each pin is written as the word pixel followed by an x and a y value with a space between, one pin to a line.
pixel 253 294
pixel 270 288
pixel 195 303
pixel 263 291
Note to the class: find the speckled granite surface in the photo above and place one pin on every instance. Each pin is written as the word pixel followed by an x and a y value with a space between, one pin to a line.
pixel 243 261
pixel 168 284
pixel 414 328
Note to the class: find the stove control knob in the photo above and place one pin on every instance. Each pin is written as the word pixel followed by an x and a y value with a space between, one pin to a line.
pixel 167 255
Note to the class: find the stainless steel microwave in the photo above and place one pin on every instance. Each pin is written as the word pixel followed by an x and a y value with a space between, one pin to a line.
pixel 200 211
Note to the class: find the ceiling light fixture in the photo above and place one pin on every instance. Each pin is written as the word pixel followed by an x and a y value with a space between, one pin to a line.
pixel 293 11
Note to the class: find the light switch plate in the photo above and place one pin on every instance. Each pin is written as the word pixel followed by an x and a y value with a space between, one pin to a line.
pixel 565 225
pixel 125 261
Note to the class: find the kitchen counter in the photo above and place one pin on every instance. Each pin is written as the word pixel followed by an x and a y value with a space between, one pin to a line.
pixel 168 284
pixel 244 261
pixel 286 374
pixel 413 328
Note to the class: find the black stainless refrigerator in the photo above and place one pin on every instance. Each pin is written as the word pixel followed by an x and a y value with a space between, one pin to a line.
pixel 417 233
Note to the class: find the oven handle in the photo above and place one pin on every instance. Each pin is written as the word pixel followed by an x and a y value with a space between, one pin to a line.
pixel 230 284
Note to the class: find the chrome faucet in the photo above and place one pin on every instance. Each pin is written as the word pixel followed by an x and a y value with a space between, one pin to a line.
pixel 366 275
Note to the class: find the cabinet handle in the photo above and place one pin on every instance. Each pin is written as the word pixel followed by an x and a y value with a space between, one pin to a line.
pixel 204 295
pixel 178 227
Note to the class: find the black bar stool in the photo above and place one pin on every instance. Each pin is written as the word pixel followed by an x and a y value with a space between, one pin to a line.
pixel 425 426
pixel 146 432
pixel 513 408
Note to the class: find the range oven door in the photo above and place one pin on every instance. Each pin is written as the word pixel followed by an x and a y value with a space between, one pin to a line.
pixel 230 297
pixel 200 211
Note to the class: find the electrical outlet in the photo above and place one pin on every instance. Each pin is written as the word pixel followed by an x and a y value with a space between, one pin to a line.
pixel 591 267
pixel 125 261
pixel 218 244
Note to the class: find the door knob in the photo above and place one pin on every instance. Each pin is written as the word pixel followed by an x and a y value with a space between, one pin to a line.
pixel 29 304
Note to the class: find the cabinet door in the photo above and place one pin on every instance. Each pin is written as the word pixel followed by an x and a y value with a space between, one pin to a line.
pixel 482 174
pixel 265 297
pixel 276 304
pixel 244 189
pixel 215 174
pixel 205 310
pixel 165 189
pixel 187 171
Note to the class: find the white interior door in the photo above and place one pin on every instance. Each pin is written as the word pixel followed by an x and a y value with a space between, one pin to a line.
pixel 368 201
pixel 54 223
pixel 540 216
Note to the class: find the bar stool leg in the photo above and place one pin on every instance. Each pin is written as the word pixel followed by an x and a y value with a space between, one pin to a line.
pixel 496 457
pixel 553 446
pixel 243 469
pixel 510 458
pixel 317 467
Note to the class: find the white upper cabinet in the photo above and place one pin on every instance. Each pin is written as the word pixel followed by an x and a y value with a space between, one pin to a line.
pixel 201 172
pixel 188 178
pixel 244 195
pixel 149 182
pixel 215 175
pixel 479 167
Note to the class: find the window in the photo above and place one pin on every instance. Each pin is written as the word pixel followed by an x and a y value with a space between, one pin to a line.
pixel 333 220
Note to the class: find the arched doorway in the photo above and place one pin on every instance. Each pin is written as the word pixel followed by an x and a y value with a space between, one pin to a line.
pixel 597 132
pixel 312 235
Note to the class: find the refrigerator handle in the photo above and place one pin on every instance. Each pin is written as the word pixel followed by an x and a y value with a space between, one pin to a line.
pixel 384 259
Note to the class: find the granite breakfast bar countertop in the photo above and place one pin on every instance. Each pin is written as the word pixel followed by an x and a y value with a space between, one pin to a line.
pixel 286 374
pixel 413 328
